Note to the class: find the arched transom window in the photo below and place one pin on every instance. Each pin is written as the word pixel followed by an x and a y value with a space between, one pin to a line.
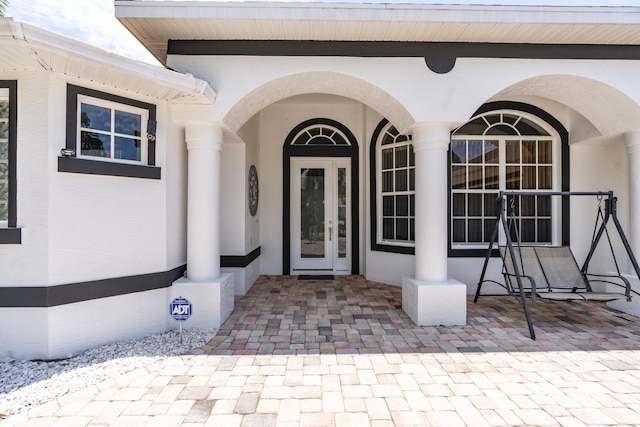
pixel 320 135
pixel 505 150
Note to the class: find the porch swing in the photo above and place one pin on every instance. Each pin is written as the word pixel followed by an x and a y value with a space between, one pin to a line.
pixel 551 273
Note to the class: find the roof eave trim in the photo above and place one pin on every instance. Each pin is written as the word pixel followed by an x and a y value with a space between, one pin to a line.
pixel 38 39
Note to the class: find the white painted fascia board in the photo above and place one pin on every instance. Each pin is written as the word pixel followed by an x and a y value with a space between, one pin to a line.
pixel 188 87
pixel 180 9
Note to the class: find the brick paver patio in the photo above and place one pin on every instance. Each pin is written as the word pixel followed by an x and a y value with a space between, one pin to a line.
pixel 343 353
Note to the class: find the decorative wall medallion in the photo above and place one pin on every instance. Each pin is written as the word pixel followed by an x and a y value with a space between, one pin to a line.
pixel 253 190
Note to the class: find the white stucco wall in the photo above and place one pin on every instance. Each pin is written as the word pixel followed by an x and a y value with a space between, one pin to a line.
pixel 576 92
pixel 250 134
pixel 110 226
pixel 65 330
pixel 174 174
pixel 424 95
pixel 27 264
pixel 598 168
pixel 79 227
pixel 276 123
pixel 84 227
pixel 233 199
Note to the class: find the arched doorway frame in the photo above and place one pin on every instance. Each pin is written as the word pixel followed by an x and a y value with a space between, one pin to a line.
pixel 349 151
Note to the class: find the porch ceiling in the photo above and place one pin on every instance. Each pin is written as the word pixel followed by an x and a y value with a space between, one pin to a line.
pixel 154 22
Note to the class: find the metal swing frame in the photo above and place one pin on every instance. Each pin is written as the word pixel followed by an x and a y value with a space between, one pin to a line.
pixel 519 290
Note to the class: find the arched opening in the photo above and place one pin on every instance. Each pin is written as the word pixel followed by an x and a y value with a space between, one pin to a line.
pixel 320 187
pixel 318 82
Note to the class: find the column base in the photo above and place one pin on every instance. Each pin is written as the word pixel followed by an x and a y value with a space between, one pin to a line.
pixel 434 303
pixel 211 301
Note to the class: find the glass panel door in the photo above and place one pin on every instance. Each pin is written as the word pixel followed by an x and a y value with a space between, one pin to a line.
pixel 320 215
pixel 312 214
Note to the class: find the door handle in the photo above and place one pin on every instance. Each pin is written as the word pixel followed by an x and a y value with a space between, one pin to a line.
pixel 330 232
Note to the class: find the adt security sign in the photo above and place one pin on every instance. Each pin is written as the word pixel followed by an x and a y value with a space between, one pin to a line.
pixel 180 309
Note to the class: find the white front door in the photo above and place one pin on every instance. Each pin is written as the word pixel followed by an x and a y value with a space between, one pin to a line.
pixel 320 215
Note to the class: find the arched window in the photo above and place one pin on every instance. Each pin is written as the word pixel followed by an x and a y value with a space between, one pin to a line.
pixel 393 190
pixel 320 134
pixel 505 150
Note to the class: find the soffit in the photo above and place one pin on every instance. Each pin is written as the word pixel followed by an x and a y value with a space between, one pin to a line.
pixel 27 48
pixel 154 22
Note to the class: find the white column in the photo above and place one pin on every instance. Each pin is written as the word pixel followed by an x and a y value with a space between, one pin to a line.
pixel 632 142
pixel 431 144
pixel 209 291
pixel 431 297
pixel 204 145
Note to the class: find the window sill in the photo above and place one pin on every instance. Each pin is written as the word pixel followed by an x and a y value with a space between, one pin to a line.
pixel 10 236
pixel 395 249
pixel 471 253
pixel 97 167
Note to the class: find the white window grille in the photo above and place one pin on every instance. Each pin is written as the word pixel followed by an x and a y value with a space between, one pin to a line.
pixel 504 151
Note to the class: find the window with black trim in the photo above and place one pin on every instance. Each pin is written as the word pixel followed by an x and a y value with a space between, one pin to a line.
pixel 504 150
pixel 111 131
pixel 109 135
pixel 393 190
pixel 9 233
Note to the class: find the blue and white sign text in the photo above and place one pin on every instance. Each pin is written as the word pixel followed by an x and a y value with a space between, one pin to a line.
pixel 180 309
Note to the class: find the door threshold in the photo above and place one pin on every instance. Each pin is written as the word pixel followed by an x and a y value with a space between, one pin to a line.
pixel 316 277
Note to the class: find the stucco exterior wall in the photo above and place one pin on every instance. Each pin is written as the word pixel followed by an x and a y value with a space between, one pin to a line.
pixel 233 196
pixel 110 226
pixel 591 100
pixel 595 168
pixel 175 178
pixel 80 228
pixel 102 226
pixel 391 84
pixel 28 264
pixel 276 122
pixel 250 134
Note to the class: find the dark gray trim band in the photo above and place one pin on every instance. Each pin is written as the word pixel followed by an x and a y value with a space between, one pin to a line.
pixel 51 296
pixel 97 167
pixel 10 236
pixel 440 57
pixel 240 261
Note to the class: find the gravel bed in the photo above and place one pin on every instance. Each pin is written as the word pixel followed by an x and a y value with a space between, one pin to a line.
pixel 25 384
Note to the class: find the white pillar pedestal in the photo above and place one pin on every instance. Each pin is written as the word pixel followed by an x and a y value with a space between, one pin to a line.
pixel 434 303
pixel 211 301
pixel 431 297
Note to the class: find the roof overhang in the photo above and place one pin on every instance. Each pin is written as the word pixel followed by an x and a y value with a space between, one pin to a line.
pixel 28 48
pixel 155 22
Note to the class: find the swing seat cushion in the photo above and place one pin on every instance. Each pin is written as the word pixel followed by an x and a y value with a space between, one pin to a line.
pixel 552 273
pixel 528 268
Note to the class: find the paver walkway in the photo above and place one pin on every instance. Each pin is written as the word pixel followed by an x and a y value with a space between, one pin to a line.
pixel 343 353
